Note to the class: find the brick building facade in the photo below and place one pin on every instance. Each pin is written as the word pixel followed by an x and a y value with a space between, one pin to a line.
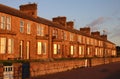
pixel 24 35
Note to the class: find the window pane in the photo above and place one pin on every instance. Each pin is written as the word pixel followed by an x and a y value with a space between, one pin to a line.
pixel 9 46
pixel 28 28
pixel 28 49
pixel 3 45
pixel 88 50
pixel 21 26
pixel 39 47
pixel 55 48
pixel 40 30
pixel 44 48
pixel 80 50
pixel 21 49
pixel 8 23
pixel 71 50
pixel 58 50
pixel 2 22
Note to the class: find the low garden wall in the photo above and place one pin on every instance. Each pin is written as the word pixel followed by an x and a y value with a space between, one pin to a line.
pixel 43 68
pixel 48 67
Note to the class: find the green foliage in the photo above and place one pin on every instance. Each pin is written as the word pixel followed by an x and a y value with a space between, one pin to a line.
pixel 10 62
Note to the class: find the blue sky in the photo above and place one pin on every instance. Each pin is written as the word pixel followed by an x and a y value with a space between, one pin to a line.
pixel 98 14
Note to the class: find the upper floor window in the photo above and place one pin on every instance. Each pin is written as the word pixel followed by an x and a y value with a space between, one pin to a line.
pixel 8 23
pixel 87 40
pixel 21 26
pixel 28 28
pixel 40 30
pixel 79 39
pixel 95 42
pixel 84 39
pixel 71 37
pixel 55 33
pixel 64 35
pixel 2 22
pixel 5 23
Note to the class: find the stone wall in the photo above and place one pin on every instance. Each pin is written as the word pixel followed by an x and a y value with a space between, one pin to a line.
pixel 43 68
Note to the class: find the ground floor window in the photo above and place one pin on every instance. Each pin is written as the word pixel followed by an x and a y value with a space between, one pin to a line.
pixel 56 48
pixel 41 48
pixel 88 50
pixel 80 50
pixel 10 45
pixel 28 49
pixel 71 50
pixel 96 51
pixel 21 49
pixel 2 45
pixel 6 45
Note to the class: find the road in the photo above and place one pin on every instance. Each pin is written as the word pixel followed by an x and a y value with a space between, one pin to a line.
pixel 108 71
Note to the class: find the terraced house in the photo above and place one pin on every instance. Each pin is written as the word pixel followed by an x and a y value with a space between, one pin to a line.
pixel 25 35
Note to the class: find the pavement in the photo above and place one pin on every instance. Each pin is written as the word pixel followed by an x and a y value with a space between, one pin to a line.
pixel 107 71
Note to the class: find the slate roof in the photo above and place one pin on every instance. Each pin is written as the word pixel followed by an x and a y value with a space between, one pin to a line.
pixel 18 13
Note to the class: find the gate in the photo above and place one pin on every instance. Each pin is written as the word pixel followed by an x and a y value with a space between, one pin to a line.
pixel 25 70
pixel 8 72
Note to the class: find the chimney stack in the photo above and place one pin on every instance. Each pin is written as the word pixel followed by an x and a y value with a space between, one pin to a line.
pixel 70 24
pixel 97 33
pixel 104 37
pixel 30 9
pixel 85 30
pixel 60 20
